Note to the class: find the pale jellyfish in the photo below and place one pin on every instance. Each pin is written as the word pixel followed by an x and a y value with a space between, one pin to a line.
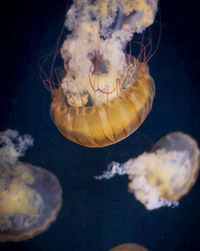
pixel 163 176
pixel 30 196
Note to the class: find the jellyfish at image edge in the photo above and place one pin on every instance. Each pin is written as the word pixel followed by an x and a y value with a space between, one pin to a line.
pixel 105 94
pixel 163 176
pixel 30 196
pixel 129 247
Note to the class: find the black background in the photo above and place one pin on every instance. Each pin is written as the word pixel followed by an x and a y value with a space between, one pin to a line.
pixel 100 215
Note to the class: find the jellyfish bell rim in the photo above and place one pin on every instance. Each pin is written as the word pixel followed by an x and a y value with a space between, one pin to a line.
pixel 162 144
pixel 46 224
pixel 159 143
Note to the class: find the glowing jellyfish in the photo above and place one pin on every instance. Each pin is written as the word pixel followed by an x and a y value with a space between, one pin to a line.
pixel 129 247
pixel 30 196
pixel 105 94
pixel 163 176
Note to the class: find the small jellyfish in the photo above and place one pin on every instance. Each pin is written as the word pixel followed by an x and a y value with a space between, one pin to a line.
pixel 163 176
pixel 30 196
pixel 105 94
pixel 129 247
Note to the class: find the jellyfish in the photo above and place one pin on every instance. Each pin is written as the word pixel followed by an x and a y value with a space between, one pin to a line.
pixel 106 94
pixel 129 247
pixel 164 175
pixel 30 196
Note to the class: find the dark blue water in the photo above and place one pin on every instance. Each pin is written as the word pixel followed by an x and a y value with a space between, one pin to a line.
pixel 100 215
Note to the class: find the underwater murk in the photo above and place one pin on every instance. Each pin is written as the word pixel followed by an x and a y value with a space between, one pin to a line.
pixel 119 178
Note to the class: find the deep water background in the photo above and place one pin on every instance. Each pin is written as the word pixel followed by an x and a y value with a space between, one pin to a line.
pixel 99 215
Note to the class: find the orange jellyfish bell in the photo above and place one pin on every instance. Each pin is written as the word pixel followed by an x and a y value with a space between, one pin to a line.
pixel 104 124
pixel 105 95
pixel 129 247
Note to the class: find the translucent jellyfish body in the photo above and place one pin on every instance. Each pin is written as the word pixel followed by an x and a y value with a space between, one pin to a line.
pixel 129 247
pixel 163 176
pixel 30 196
pixel 105 95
